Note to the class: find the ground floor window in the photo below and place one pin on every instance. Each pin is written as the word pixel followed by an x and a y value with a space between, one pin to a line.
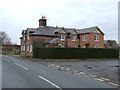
pixel 96 47
pixel 27 48
pixel 30 48
pixel 84 46
pixel 22 48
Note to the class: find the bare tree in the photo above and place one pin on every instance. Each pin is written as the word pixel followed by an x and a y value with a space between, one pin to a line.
pixel 4 39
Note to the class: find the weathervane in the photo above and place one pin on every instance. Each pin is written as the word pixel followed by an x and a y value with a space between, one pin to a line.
pixel 43 16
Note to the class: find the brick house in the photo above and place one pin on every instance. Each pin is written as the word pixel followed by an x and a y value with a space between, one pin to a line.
pixel 48 36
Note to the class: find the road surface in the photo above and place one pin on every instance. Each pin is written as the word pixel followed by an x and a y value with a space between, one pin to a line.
pixel 19 73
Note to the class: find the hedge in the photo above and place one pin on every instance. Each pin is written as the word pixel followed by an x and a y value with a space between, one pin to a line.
pixel 75 53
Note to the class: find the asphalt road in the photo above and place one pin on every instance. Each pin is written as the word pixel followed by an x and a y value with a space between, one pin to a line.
pixel 19 73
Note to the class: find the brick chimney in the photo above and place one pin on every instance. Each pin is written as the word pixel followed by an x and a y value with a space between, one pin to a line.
pixel 43 21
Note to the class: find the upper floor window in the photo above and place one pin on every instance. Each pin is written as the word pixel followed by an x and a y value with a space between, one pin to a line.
pixel 73 37
pixel 24 37
pixel 96 38
pixel 62 37
pixel 84 38
pixel 28 36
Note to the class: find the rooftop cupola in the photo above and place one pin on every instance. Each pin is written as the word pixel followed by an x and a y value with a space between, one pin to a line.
pixel 43 21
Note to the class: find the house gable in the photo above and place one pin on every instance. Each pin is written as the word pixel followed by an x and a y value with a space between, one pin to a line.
pixel 96 31
pixel 62 32
pixel 73 32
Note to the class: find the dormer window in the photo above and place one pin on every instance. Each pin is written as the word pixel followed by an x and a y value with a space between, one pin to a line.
pixel 73 37
pixel 62 37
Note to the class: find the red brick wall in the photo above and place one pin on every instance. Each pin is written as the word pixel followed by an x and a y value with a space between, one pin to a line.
pixel 73 43
pixel 90 40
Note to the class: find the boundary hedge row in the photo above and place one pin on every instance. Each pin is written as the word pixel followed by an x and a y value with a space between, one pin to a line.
pixel 75 53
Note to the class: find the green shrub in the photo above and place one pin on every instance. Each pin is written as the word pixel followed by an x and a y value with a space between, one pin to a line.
pixel 74 53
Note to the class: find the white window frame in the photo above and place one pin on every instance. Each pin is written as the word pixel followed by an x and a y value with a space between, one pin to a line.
pixel 23 48
pixel 84 46
pixel 24 37
pixel 76 46
pixel 30 48
pixel 73 37
pixel 62 37
pixel 84 37
pixel 96 47
pixel 28 36
pixel 96 37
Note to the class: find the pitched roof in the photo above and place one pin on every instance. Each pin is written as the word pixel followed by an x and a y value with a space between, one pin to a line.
pixel 50 31
pixel 52 40
pixel 45 30
pixel 88 30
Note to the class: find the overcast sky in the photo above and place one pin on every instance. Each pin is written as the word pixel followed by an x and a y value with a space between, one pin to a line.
pixel 17 15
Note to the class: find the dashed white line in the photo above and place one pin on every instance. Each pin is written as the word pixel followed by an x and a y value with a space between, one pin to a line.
pixel 91 75
pixel 52 65
pixel 75 70
pixel 117 82
pixel 105 79
pixel 50 82
pixel 62 67
pixel 68 69
pixel 82 73
pixel 21 66
pixel 113 84
pixel 99 79
pixel 78 73
pixel 57 66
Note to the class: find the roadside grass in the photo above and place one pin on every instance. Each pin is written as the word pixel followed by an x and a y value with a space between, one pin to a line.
pixel 7 53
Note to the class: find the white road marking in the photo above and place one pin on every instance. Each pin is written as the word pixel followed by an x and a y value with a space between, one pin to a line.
pixel 68 69
pixel 99 79
pixel 62 67
pixel 82 73
pixel 52 65
pixel 78 73
pixel 21 66
pixel 113 84
pixel 75 70
pixel 105 79
pixel 49 82
pixel 91 75
pixel 117 82
pixel 57 66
